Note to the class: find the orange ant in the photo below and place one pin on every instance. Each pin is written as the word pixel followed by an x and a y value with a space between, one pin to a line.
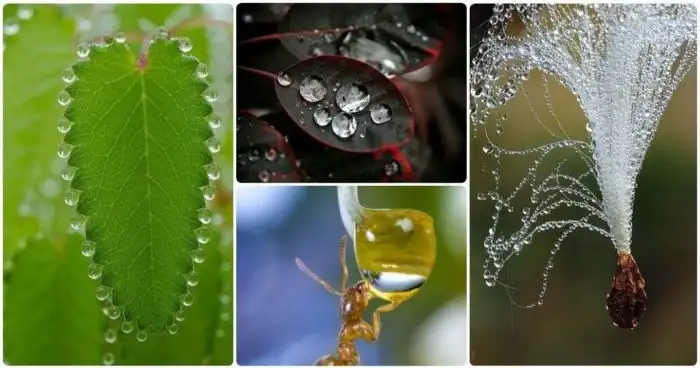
pixel 353 302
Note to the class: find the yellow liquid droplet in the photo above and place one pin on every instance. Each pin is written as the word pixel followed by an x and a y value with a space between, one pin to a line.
pixel 395 251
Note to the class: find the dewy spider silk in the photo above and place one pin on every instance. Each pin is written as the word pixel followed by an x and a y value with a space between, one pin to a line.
pixel 622 63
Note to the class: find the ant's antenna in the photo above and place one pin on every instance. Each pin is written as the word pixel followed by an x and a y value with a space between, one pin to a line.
pixel 314 276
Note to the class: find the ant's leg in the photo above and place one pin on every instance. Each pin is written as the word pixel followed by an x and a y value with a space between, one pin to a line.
pixel 311 274
pixel 376 324
pixel 343 263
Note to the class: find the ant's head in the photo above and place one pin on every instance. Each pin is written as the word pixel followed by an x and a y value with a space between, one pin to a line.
pixel 356 299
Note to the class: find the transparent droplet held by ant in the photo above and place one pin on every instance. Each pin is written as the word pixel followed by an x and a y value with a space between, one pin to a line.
pixel 312 89
pixel 627 299
pixel 344 125
pixel 395 251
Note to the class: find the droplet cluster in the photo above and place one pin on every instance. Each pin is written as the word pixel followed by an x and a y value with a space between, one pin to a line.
pixel 621 63
pixel 338 111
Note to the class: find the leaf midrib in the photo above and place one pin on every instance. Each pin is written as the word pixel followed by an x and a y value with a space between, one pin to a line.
pixel 144 100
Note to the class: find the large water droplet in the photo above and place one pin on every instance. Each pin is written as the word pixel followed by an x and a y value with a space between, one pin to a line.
pixel 344 125
pixel 127 326
pixel 63 98
pixel 203 234
pixel 88 248
pixel 322 117
pixel 102 292
pixel 192 278
pixel 83 50
pixel 284 79
pixel 210 95
pixel 108 358
pixel 204 215
pixel 187 299
pixel 64 124
pixel 352 97
pixel 68 75
pixel 380 113
pixel 312 89
pixel 198 255
pixel 185 45
pixel 110 336
pixel 94 271
pixel 142 335
pixel 71 197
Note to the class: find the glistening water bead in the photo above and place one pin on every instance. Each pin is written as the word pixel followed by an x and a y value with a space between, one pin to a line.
pixel 185 45
pixel 142 335
pixel 284 79
pixel 127 326
pixel 322 117
pixel 63 125
pixel 213 171
pixel 88 248
pixel 344 125
pixel 312 89
pixel 352 97
pixel 380 113
pixel 204 215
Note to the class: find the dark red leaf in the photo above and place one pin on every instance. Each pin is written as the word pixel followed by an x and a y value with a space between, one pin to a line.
pixel 262 154
pixel 345 104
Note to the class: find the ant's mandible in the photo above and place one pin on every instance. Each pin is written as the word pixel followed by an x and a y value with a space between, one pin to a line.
pixel 353 302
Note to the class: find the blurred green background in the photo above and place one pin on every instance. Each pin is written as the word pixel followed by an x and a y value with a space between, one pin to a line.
pixel 573 326
pixel 276 224
pixel 51 314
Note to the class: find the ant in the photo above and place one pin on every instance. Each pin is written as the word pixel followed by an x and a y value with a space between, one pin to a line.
pixel 353 302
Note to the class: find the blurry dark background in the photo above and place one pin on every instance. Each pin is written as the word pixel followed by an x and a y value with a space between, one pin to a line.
pixel 439 104
pixel 286 318
pixel 572 327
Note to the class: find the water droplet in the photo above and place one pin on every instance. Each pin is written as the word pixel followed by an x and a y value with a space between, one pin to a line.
pixel 209 192
pixel 198 255
pixel 391 168
pixel 25 13
pixel 271 154
pixel 214 121
pixel 411 29
pixel 120 37
pixel 64 124
pixel 490 282
pixel 344 125
pixel 11 27
pixel 322 117
pixel 142 335
pixel 64 149
pixel 108 358
pixel 172 329
pixel 213 144
pixel 180 315
pixel 78 221
pixel 220 332
pixel 224 299
pixel 114 312
pixel 203 234
pixel 210 95
pixel 352 97
pixel 102 292
pixel 213 171
pixel 88 249
pixel 110 336
pixel 380 113
pixel 63 98
pixel 71 197
pixel 94 271
pixel 161 33
pixel 225 317
pixel 204 215
pixel 284 79
pixel 83 50
pixel 192 279
pixel 187 299
pixel 312 89
pixel 588 128
pixel 68 75
pixel 185 45
pixel 264 176
pixel 127 326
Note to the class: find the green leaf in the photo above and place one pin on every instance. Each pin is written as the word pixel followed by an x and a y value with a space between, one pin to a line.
pixel 139 137
pixel 33 61
pixel 195 341
pixel 51 314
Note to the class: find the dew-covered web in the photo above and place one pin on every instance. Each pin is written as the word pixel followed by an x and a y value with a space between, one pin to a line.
pixel 595 80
